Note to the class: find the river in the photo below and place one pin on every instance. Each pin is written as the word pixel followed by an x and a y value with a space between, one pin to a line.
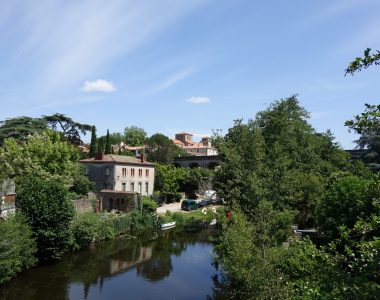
pixel 172 264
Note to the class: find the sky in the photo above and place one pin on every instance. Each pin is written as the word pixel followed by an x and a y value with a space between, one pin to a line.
pixel 178 65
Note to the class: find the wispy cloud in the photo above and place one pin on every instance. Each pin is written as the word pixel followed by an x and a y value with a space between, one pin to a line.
pixel 173 79
pixel 345 6
pixel 198 100
pixel 65 42
pixel 99 85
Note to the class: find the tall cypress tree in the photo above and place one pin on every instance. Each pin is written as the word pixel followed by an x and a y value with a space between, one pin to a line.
pixel 108 143
pixel 94 144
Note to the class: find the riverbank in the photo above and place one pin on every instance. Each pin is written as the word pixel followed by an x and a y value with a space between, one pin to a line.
pixel 171 264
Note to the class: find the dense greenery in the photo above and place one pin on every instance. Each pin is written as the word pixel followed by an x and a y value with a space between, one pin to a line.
pixel 88 228
pixel 277 171
pixel 49 211
pixel 170 181
pixel 134 136
pixel 161 149
pixel 47 155
pixel 17 247
pixel 367 124
pixel 94 144
pixel 21 128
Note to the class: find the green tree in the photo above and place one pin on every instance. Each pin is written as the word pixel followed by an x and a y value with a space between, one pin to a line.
pixel 108 144
pixel 364 62
pixel 17 247
pixel 49 212
pixel 367 125
pixel 162 150
pixel 279 157
pixel 93 144
pixel 21 128
pixel 68 127
pixel 47 155
pixel 167 181
pixel 134 136
pixel 349 199
pixel 116 138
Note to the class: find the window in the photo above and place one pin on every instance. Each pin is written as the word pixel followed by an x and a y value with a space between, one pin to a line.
pixel 147 173
pixel 132 172
pixel 140 172
pixel 146 188
pixel 124 172
pixel 132 186
pixel 107 171
pixel 140 187
pixel 123 186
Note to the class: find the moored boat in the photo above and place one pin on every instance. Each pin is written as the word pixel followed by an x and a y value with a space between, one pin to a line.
pixel 168 225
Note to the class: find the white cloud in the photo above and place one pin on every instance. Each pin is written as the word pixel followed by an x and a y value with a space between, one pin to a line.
pixel 198 100
pixel 88 36
pixel 99 85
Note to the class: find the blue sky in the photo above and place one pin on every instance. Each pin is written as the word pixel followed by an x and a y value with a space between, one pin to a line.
pixel 175 65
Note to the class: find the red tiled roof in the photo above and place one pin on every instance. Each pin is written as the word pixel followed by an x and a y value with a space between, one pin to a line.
pixel 184 133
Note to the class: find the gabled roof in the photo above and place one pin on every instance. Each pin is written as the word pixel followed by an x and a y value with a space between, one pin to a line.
pixel 117 159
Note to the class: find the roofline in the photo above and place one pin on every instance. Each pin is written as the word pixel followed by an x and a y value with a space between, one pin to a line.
pixel 147 164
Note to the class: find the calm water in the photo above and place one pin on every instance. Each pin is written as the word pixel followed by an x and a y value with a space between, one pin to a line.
pixel 170 265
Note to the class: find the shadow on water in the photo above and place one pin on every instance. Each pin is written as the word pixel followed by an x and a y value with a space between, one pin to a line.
pixel 147 265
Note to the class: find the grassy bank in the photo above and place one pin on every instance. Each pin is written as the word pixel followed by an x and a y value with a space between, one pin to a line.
pixel 192 218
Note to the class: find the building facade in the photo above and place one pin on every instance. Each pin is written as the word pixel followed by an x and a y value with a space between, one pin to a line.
pixel 121 173
pixel 202 148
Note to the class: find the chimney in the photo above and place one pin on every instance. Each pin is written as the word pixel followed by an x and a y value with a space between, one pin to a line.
pixel 143 158
pixel 99 156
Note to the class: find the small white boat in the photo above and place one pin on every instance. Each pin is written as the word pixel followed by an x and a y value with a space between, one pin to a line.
pixel 167 225
pixel 213 222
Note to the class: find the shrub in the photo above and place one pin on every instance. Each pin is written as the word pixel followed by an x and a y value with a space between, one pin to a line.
pixel 149 205
pixel 17 247
pixel 49 212
pixel 85 228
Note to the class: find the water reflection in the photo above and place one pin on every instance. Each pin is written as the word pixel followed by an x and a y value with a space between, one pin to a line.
pixel 85 274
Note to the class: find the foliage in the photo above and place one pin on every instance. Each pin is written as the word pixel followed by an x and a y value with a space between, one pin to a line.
pixel 49 211
pixel 46 155
pixel 193 180
pixel 149 205
pixel 249 271
pixel 116 138
pixel 279 157
pixel 167 179
pixel 162 150
pixel 363 62
pixel 68 127
pixel 93 144
pixel 368 126
pixel 21 128
pixel 107 149
pixel 348 200
pixel 88 228
pixel 17 247
pixel 134 136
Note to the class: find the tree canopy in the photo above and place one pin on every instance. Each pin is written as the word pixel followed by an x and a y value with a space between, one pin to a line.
pixel 21 128
pixel 69 128
pixel 134 136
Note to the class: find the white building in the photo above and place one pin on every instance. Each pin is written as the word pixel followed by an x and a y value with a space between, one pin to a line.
pixel 120 173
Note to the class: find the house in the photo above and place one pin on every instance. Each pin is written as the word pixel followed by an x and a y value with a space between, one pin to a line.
pixel 202 148
pixel 120 179
pixel 7 198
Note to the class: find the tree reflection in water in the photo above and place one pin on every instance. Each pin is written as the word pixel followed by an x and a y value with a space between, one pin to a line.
pixel 150 256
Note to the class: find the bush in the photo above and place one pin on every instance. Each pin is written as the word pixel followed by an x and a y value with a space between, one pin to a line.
pixel 17 247
pixel 49 213
pixel 86 230
pixel 149 205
